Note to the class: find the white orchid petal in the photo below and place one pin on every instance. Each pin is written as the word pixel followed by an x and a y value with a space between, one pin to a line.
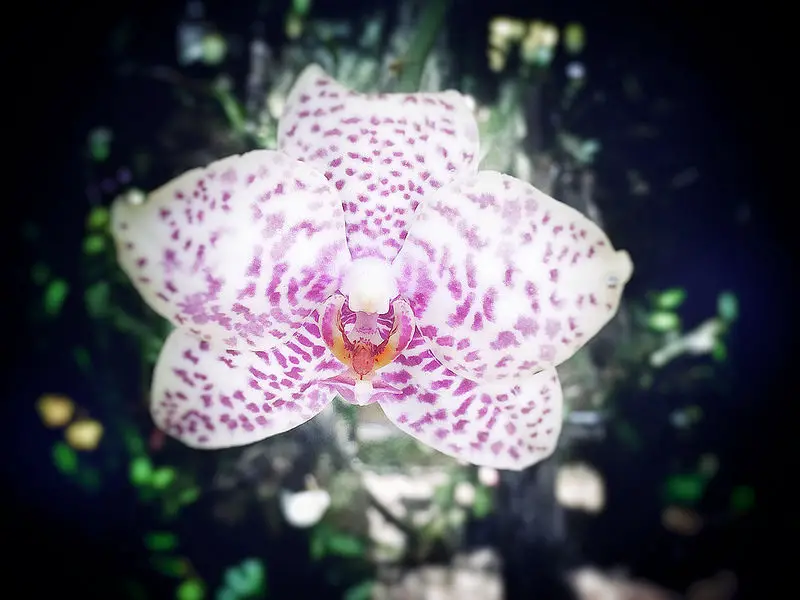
pixel 505 425
pixel 504 280
pixel 385 153
pixel 241 251
pixel 210 397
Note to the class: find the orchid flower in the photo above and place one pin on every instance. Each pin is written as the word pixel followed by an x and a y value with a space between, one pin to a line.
pixel 367 257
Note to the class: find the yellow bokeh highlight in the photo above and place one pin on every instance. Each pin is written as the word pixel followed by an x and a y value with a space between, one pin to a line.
pixel 504 30
pixel 84 434
pixel 681 520
pixel 55 410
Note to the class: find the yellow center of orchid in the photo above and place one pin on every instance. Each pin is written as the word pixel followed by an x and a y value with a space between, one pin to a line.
pixel 366 326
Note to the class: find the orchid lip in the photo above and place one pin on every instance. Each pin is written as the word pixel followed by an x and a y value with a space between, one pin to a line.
pixel 365 341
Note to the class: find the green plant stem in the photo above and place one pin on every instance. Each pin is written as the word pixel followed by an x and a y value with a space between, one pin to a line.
pixel 414 62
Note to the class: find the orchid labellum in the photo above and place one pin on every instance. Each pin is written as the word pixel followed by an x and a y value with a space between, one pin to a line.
pixel 368 257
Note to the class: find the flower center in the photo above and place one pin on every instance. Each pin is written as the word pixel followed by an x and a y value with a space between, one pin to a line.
pixel 364 341
pixel 363 359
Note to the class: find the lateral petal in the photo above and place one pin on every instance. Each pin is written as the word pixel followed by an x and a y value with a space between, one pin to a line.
pixel 504 280
pixel 240 251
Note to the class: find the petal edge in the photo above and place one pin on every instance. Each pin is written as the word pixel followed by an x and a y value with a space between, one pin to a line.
pixel 210 397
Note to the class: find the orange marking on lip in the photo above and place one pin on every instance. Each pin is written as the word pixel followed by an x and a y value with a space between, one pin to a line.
pixel 386 353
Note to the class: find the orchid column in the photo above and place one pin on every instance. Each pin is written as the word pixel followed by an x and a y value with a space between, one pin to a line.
pixel 368 257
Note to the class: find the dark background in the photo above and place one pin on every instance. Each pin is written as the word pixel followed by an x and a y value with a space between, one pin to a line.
pixel 730 63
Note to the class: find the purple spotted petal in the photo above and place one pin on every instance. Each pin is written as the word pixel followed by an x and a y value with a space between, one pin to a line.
pixel 211 397
pixel 505 280
pixel 242 250
pixel 384 153
pixel 505 424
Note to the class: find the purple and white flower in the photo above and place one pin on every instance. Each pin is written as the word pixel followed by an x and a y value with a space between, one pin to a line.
pixel 368 257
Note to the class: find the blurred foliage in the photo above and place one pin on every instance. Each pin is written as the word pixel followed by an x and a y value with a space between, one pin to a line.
pixel 521 53
pixel 244 581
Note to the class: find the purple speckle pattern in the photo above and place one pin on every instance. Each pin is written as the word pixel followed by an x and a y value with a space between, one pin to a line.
pixel 214 397
pixel 498 282
pixel 385 154
pixel 505 281
pixel 509 425
pixel 240 252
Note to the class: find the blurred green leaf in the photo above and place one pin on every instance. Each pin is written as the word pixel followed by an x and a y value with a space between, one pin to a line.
pixel 719 352
pixel 728 306
pixel 226 593
pixel 443 494
pixel 82 358
pixel 171 566
pixel 482 505
pixel 54 296
pixel 663 321
pixel 254 569
pixel 160 541
pixel 694 413
pixel 89 478
pixel 574 38
pixel 743 499
pixel 361 591
pixel 671 299
pixel 342 544
pixel 189 495
pixel 317 549
pixel 580 149
pixel 214 48
pixel 100 143
pixel 98 218
pixel 170 506
pixel 686 488
pixel 233 110
pixel 96 297
pixel 301 7
pixel 235 581
pixel 65 458
pixel 247 578
pixel 141 470
pixel 133 441
pixel 161 478
pixel 94 244
pixel 346 411
pixel 191 589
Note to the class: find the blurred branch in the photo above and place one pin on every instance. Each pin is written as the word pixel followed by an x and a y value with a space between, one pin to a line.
pixel 387 514
pixel 414 62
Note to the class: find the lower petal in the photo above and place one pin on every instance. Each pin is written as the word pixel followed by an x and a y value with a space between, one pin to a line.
pixel 211 397
pixel 510 424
